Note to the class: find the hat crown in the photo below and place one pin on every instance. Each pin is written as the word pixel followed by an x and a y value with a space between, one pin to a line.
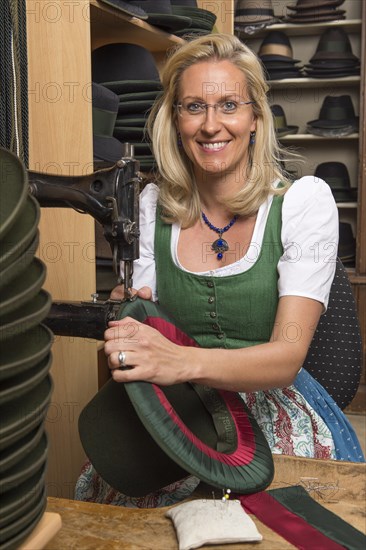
pixel 337 108
pixel 123 61
pixel 335 40
pixel 334 173
pixel 153 6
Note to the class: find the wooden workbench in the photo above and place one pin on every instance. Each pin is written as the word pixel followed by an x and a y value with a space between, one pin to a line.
pixel 339 486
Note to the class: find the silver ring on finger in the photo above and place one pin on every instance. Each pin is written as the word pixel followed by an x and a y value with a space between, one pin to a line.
pixel 122 359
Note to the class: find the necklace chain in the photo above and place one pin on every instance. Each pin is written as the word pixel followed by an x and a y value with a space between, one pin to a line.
pixel 219 246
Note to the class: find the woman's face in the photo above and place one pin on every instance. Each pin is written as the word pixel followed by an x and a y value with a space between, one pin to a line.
pixel 216 139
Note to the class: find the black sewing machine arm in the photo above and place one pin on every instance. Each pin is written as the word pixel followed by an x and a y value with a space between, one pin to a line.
pixel 109 195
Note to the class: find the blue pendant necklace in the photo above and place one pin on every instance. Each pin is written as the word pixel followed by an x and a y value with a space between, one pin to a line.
pixel 219 246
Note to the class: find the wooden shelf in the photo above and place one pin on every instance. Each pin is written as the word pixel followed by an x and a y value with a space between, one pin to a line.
pixel 110 25
pixel 294 29
pixel 347 204
pixel 314 82
pixel 312 137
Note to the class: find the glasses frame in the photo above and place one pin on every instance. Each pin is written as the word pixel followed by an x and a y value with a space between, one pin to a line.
pixel 179 106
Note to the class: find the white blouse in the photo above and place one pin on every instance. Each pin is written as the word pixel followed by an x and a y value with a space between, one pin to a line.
pixel 309 237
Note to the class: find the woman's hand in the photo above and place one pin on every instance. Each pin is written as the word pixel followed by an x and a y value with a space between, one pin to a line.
pixel 144 292
pixel 148 354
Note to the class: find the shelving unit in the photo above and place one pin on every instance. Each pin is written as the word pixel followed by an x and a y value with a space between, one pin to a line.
pixel 309 93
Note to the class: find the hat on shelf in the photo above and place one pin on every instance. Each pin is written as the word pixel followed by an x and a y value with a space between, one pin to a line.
pixel 276 55
pixel 336 175
pixel 304 5
pixel 130 71
pixel 203 21
pixel 254 13
pixel 161 434
pixel 124 68
pixel 333 57
pixel 105 108
pixel 308 11
pixel 336 117
pixel 160 14
pixel 346 244
pixel 127 7
pixel 280 123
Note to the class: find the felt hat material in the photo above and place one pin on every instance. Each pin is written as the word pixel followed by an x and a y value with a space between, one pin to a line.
pixel 22 352
pixel 13 189
pixel 25 317
pixel 160 14
pixel 23 413
pixel 17 240
pixel 22 289
pixel 280 123
pixel 127 7
pixel 161 434
pixel 336 175
pixel 336 112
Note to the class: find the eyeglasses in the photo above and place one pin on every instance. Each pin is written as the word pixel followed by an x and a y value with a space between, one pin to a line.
pixel 197 109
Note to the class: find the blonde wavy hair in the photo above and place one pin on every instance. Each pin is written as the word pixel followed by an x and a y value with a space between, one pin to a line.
pixel 178 195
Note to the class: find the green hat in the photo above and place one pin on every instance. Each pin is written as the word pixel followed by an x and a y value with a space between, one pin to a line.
pixel 25 317
pixel 13 190
pixel 141 437
pixel 17 240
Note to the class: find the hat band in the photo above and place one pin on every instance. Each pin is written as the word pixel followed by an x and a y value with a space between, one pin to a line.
pixel 337 113
pixel 334 46
pixel 275 49
pixel 103 122
pixel 224 424
pixel 280 122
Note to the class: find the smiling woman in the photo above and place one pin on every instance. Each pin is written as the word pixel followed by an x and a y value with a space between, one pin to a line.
pixel 227 249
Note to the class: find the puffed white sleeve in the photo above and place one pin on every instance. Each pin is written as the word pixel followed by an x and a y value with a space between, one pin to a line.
pixel 310 240
pixel 144 273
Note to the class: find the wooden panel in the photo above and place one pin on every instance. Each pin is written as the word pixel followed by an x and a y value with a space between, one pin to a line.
pixel 109 25
pixel 60 136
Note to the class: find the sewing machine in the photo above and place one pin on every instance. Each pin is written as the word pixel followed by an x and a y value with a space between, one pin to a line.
pixel 111 196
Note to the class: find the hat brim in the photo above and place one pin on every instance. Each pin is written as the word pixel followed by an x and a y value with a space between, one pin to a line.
pixel 17 240
pixel 169 22
pixel 315 5
pixel 287 131
pixel 26 316
pixel 162 434
pixel 107 148
pixel 126 7
pixel 132 86
pixel 329 124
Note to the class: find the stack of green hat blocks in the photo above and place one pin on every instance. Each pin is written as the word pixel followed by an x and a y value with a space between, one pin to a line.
pixel 25 359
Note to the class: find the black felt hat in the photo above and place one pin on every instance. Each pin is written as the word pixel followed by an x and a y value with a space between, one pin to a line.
pixel 105 108
pixel 347 242
pixel 334 44
pixel 141 437
pixel 303 5
pixel 127 8
pixel 336 175
pixel 122 63
pixel 336 112
pixel 13 190
pixel 280 123
pixel 160 14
